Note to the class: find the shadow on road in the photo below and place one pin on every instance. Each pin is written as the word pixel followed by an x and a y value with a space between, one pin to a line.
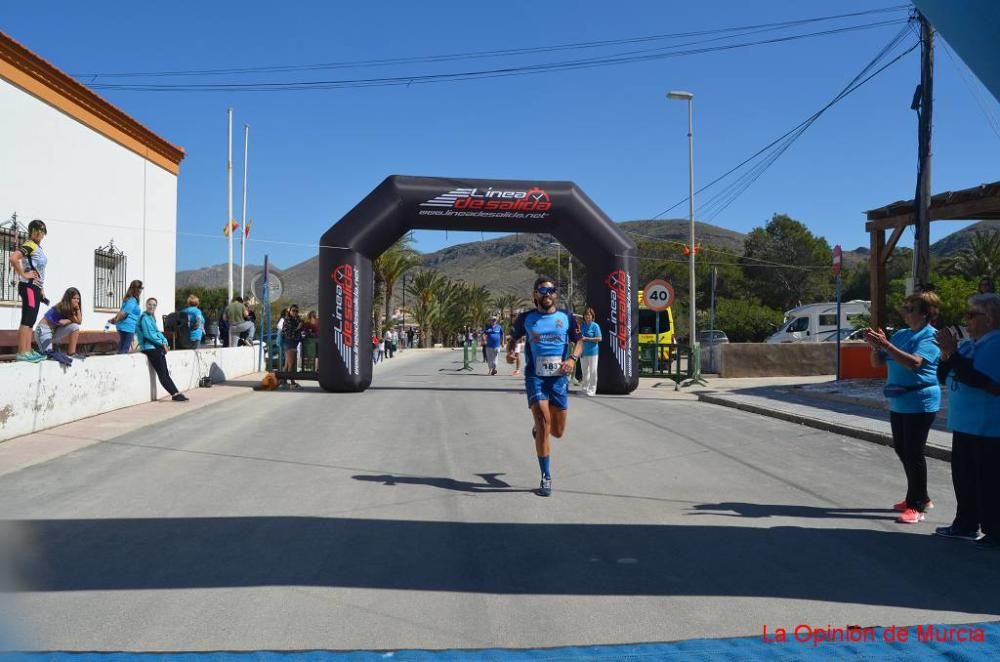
pixel 835 565
pixel 738 509
pixel 491 483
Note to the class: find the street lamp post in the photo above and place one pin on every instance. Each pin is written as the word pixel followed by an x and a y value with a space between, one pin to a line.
pixel 569 291
pixel 558 261
pixel 689 97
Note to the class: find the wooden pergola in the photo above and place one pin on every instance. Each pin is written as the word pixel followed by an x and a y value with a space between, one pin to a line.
pixel 972 204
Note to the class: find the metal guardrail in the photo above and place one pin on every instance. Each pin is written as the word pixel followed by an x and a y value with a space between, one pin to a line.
pixel 679 363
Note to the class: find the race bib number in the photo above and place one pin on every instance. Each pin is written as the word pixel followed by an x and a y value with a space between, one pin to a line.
pixel 548 366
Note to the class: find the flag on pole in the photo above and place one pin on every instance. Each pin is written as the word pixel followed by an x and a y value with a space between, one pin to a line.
pixel 246 229
pixel 232 225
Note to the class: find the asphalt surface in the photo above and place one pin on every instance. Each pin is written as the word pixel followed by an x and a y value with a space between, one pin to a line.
pixel 404 517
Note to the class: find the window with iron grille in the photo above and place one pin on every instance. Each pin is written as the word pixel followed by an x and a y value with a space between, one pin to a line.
pixel 109 278
pixel 12 235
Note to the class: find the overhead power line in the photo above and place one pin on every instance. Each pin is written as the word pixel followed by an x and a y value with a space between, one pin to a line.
pixel 773 150
pixel 472 55
pixel 418 79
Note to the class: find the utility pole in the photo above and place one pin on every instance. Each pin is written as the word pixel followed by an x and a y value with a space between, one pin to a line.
pixel 229 210
pixel 923 104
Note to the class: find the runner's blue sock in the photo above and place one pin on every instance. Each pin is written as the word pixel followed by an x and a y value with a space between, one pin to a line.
pixel 543 464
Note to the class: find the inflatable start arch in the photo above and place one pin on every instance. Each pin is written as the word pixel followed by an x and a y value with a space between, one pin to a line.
pixel 400 204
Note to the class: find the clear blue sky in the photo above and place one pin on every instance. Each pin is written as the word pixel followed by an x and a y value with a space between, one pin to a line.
pixel 314 154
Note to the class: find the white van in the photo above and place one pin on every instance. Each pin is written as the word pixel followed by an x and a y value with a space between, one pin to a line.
pixel 810 323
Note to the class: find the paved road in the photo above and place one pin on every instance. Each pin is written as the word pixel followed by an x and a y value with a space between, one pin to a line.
pixel 404 517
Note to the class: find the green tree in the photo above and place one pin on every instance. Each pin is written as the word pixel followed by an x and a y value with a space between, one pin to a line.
pixel 981 258
pixel 479 303
pixel 390 266
pixel 785 264
pixel 427 288
pixel 743 320
pixel 856 282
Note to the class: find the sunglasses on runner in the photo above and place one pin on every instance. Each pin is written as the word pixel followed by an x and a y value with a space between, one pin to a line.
pixel 546 290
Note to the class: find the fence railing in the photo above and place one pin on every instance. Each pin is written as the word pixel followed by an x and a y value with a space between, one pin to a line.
pixel 669 361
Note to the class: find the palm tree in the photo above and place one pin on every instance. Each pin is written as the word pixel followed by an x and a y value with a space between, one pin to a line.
pixel 453 314
pixel 426 288
pixel 981 258
pixel 480 304
pixel 390 265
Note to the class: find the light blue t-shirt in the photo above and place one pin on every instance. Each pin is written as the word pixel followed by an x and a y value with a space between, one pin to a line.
pixel 132 311
pixel 591 330
pixel 547 335
pixel 920 343
pixel 973 410
pixel 196 322
pixel 494 336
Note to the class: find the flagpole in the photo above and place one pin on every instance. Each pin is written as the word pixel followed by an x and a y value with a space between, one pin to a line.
pixel 229 194
pixel 243 233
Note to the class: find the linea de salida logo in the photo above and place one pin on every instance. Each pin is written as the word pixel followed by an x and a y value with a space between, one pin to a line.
pixel 345 316
pixel 534 199
pixel 620 290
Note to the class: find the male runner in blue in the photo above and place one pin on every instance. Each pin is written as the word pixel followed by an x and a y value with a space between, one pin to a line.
pixel 546 368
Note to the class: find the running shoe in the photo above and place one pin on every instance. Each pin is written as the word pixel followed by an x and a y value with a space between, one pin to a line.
pixel 910 516
pixel 953 532
pixel 180 397
pixel 516 373
pixel 30 357
pixel 296 386
pixel 545 487
pixel 901 506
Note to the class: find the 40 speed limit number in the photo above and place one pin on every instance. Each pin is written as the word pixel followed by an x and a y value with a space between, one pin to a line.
pixel 658 295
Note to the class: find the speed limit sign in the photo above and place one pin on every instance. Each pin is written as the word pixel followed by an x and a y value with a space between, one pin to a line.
pixel 658 295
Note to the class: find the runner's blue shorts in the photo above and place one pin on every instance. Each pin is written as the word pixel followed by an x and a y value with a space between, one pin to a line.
pixel 554 389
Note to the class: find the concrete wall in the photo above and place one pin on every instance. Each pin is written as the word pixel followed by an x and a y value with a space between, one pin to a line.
pixel 38 396
pixel 777 360
pixel 89 190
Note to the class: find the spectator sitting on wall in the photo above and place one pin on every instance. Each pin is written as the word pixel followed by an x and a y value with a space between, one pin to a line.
pixel 236 314
pixel 251 316
pixel 128 317
pixel 196 320
pixel 61 322
pixel 153 344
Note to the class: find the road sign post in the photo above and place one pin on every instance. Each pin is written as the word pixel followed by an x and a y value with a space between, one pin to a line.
pixel 838 258
pixel 657 295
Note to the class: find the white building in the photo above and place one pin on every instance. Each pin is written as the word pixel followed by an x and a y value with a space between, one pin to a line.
pixel 105 185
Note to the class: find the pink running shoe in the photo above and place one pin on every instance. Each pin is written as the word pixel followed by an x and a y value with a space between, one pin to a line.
pixel 910 516
pixel 901 506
